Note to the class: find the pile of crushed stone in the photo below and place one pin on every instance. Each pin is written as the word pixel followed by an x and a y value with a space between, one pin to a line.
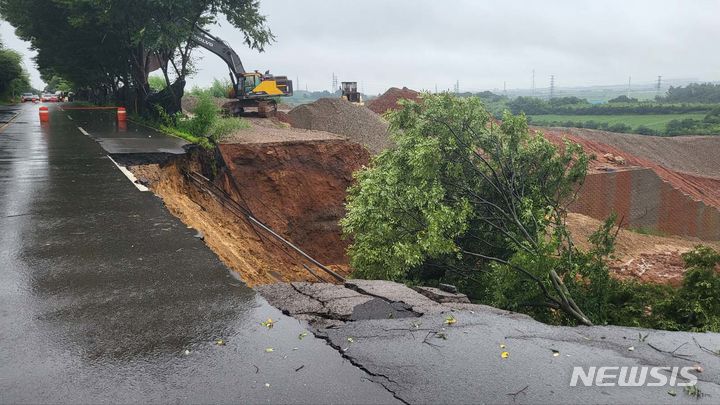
pixel 389 100
pixel 343 118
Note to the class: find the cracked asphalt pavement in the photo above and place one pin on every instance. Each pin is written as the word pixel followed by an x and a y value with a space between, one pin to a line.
pixel 452 352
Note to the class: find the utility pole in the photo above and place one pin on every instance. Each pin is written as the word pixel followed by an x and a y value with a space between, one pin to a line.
pixel 533 83
pixel 297 82
pixel 552 86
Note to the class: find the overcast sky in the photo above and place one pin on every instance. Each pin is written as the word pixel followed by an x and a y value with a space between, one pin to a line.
pixel 424 43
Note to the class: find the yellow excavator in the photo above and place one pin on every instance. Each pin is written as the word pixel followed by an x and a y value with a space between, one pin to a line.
pixel 249 89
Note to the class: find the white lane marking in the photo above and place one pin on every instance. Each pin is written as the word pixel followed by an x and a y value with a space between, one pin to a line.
pixel 7 124
pixel 130 176
pixel 70 118
pixel 83 131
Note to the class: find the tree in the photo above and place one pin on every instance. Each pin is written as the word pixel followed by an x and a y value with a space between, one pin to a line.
pixel 462 195
pixel 529 105
pixel 57 83
pixel 13 78
pixel 111 46
pixel 623 99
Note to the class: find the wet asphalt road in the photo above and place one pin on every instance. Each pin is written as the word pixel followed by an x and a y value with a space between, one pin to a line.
pixel 102 290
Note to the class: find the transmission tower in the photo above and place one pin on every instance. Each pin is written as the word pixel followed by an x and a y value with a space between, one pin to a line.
pixel 658 86
pixel 533 82
pixel 334 83
pixel 505 88
pixel 552 86
pixel 629 86
pixel 457 87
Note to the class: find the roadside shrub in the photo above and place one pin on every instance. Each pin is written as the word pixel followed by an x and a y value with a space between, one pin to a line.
pixel 206 114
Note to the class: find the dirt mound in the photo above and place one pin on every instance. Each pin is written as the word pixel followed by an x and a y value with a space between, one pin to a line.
pixel 389 100
pixel 696 155
pixel 705 189
pixel 273 130
pixel 645 258
pixel 344 118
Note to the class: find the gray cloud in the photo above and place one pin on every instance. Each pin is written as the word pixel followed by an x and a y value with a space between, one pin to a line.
pixel 424 43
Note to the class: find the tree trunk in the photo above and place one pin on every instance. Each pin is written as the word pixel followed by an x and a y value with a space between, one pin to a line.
pixel 168 99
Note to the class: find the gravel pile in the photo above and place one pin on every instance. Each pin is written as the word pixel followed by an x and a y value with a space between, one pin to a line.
pixel 389 100
pixel 344 118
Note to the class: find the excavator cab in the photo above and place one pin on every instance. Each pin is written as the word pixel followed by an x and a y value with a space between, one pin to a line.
pixel 258 85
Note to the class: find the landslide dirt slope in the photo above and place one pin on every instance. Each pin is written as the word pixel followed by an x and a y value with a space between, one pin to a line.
pixel 646 258
pixel 298 188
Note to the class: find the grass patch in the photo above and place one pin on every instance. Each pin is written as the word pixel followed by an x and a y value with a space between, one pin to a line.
pixel 205 128
pixel 647 231
pixel 656 122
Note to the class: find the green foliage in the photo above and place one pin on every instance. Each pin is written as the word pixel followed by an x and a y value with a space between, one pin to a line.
pixel 224 126
pixel 644 124
pixel 13 78
pixel 107 45
pixel 464 195
pixel 693 93
pixel 205 115
pixel 623 99
pixel 702 257
pixel 157 83
pixel 205 127
pixel 57 83
pixel 218 89
pixel 463 200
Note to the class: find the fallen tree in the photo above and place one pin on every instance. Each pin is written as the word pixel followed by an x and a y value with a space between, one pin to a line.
pixel 461 194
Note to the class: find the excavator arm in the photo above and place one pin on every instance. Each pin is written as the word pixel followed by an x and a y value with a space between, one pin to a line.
pixel 221 49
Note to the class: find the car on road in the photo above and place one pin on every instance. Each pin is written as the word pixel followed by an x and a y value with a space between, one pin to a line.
pixel 47 97
pixel 29 97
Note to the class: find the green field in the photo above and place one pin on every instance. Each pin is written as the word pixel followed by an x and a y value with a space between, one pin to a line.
pixel 653 121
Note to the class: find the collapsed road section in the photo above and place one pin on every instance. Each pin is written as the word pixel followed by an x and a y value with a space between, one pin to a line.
pixel 437 347
pixel 292 182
